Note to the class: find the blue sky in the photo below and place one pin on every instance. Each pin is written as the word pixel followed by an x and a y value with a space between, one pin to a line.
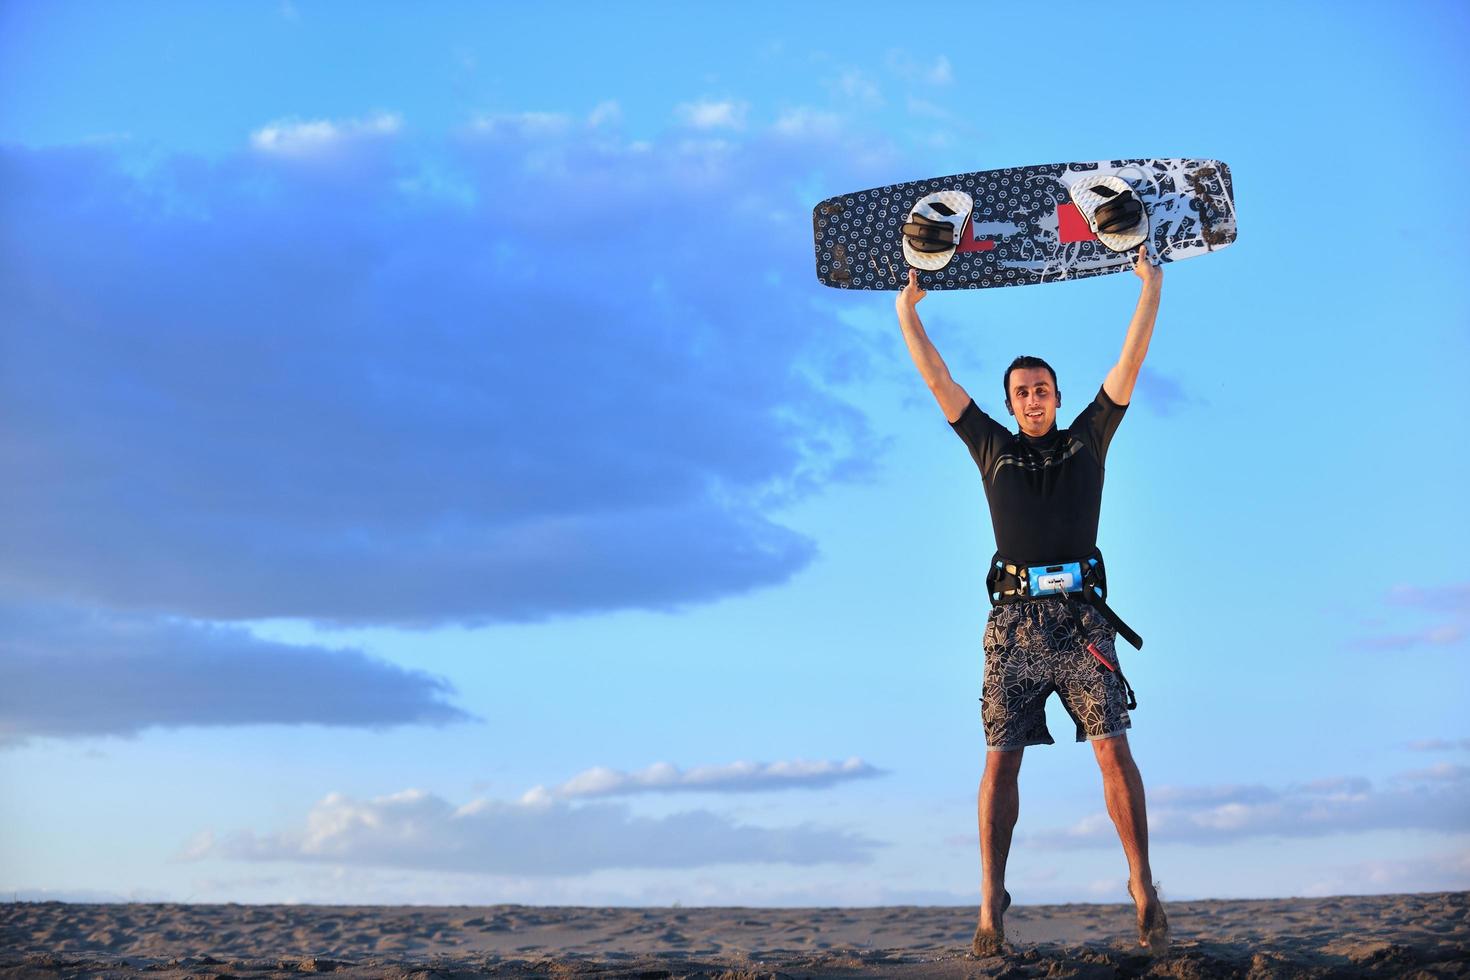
pixel 436 476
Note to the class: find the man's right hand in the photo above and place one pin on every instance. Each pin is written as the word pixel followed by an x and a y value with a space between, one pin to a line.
pixel 952 398
pixel 911 294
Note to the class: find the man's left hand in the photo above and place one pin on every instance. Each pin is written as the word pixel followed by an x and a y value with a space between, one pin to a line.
pixel 1145 269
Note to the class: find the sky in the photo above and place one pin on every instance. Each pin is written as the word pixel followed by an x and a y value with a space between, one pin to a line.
pixel 434 475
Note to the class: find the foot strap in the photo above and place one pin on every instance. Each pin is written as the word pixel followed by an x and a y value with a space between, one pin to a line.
pixel 1120 214
pixel 928 235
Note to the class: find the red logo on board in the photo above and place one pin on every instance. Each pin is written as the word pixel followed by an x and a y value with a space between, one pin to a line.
pixel 1072 227
pixel 968 241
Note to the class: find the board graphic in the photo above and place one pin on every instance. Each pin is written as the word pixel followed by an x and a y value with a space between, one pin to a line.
pixel 1023 224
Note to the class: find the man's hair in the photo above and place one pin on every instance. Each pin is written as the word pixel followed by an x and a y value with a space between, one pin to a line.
pixel 1025 361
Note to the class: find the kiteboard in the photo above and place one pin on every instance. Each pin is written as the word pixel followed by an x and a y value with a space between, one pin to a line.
pixel 1024 225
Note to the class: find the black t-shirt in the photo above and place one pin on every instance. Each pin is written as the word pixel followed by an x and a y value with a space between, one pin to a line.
pixel 1045 493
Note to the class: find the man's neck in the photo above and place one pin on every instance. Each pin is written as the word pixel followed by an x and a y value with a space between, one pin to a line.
pixel 1045 437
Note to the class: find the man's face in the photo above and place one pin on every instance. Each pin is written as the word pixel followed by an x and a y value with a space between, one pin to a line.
pixel 1034 400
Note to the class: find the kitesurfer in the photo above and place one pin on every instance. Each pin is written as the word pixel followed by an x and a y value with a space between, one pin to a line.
pixel 1050 629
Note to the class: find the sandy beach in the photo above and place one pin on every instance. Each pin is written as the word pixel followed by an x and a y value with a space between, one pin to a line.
pixel 1423 935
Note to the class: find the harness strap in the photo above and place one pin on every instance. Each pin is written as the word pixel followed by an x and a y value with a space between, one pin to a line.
pixel 1114 620
pixel 1128 690
pixel 1115 668
pixel 1007 582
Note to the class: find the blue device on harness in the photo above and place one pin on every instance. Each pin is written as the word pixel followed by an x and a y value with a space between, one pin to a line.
pixel 1054 579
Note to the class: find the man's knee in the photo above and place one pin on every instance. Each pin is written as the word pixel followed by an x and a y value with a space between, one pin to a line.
pixel 1003 764
pixel 1113 753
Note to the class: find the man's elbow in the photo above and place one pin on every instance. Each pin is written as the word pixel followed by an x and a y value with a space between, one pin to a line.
pixel 937 381
pixel 1119 387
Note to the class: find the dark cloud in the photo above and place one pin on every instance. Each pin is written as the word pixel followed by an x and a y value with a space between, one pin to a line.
pixel 737 777
pixel 1436 600
pixel 1452 599
pixel 1161 393
pixel 69 673
pixel 537 370
pixel 1439 744
pixel 1446 634
pixel 1442 772
pixel 1427 799
pixel 1195 796
pixel 418 830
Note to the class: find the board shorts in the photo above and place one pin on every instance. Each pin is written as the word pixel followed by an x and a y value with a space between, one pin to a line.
pixel 1035 647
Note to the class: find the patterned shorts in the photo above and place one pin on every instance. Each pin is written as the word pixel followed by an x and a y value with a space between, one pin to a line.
pixel 1033 648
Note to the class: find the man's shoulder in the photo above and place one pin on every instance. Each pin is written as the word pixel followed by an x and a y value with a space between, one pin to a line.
pixel 975 419
pixel 1101 405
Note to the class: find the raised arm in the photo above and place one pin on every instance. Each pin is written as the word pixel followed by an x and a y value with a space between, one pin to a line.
pixel 1119 382
pixel 951 397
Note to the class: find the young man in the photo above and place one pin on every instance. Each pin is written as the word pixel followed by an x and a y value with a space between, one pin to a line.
pixel 1044 488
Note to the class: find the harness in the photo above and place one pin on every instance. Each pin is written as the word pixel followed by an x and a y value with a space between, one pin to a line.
pixel 1083 580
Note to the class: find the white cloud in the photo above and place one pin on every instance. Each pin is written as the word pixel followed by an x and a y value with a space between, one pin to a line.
pixel 433 183
pixel 88 896
pixel 712 115
pixel 1427 799
pixel 1440 872
pixel 525 124
pixel 854 86
pixel 924 69
pixel 605 114
pixel 923 107
pixel 417 830
pixel 336 884
pixel 802 121
pixel 739 777
pixel 291 138
pixel 1451 601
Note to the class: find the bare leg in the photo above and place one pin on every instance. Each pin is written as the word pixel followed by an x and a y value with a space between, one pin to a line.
pixel 998 807
pixel 1123 790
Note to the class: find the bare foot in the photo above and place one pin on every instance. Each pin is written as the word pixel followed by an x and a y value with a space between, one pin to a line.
pixel 1153 924
pixel 991 942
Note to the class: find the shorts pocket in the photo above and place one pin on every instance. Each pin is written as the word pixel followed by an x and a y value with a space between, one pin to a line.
pixel 1105 657
pixel 1098 629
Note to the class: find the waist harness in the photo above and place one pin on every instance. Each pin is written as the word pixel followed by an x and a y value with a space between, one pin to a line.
pixel 1084 580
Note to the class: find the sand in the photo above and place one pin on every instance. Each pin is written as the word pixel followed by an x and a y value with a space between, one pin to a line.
pixel 1425 935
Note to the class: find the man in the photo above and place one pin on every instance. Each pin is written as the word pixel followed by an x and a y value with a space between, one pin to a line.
pixel 1044 488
